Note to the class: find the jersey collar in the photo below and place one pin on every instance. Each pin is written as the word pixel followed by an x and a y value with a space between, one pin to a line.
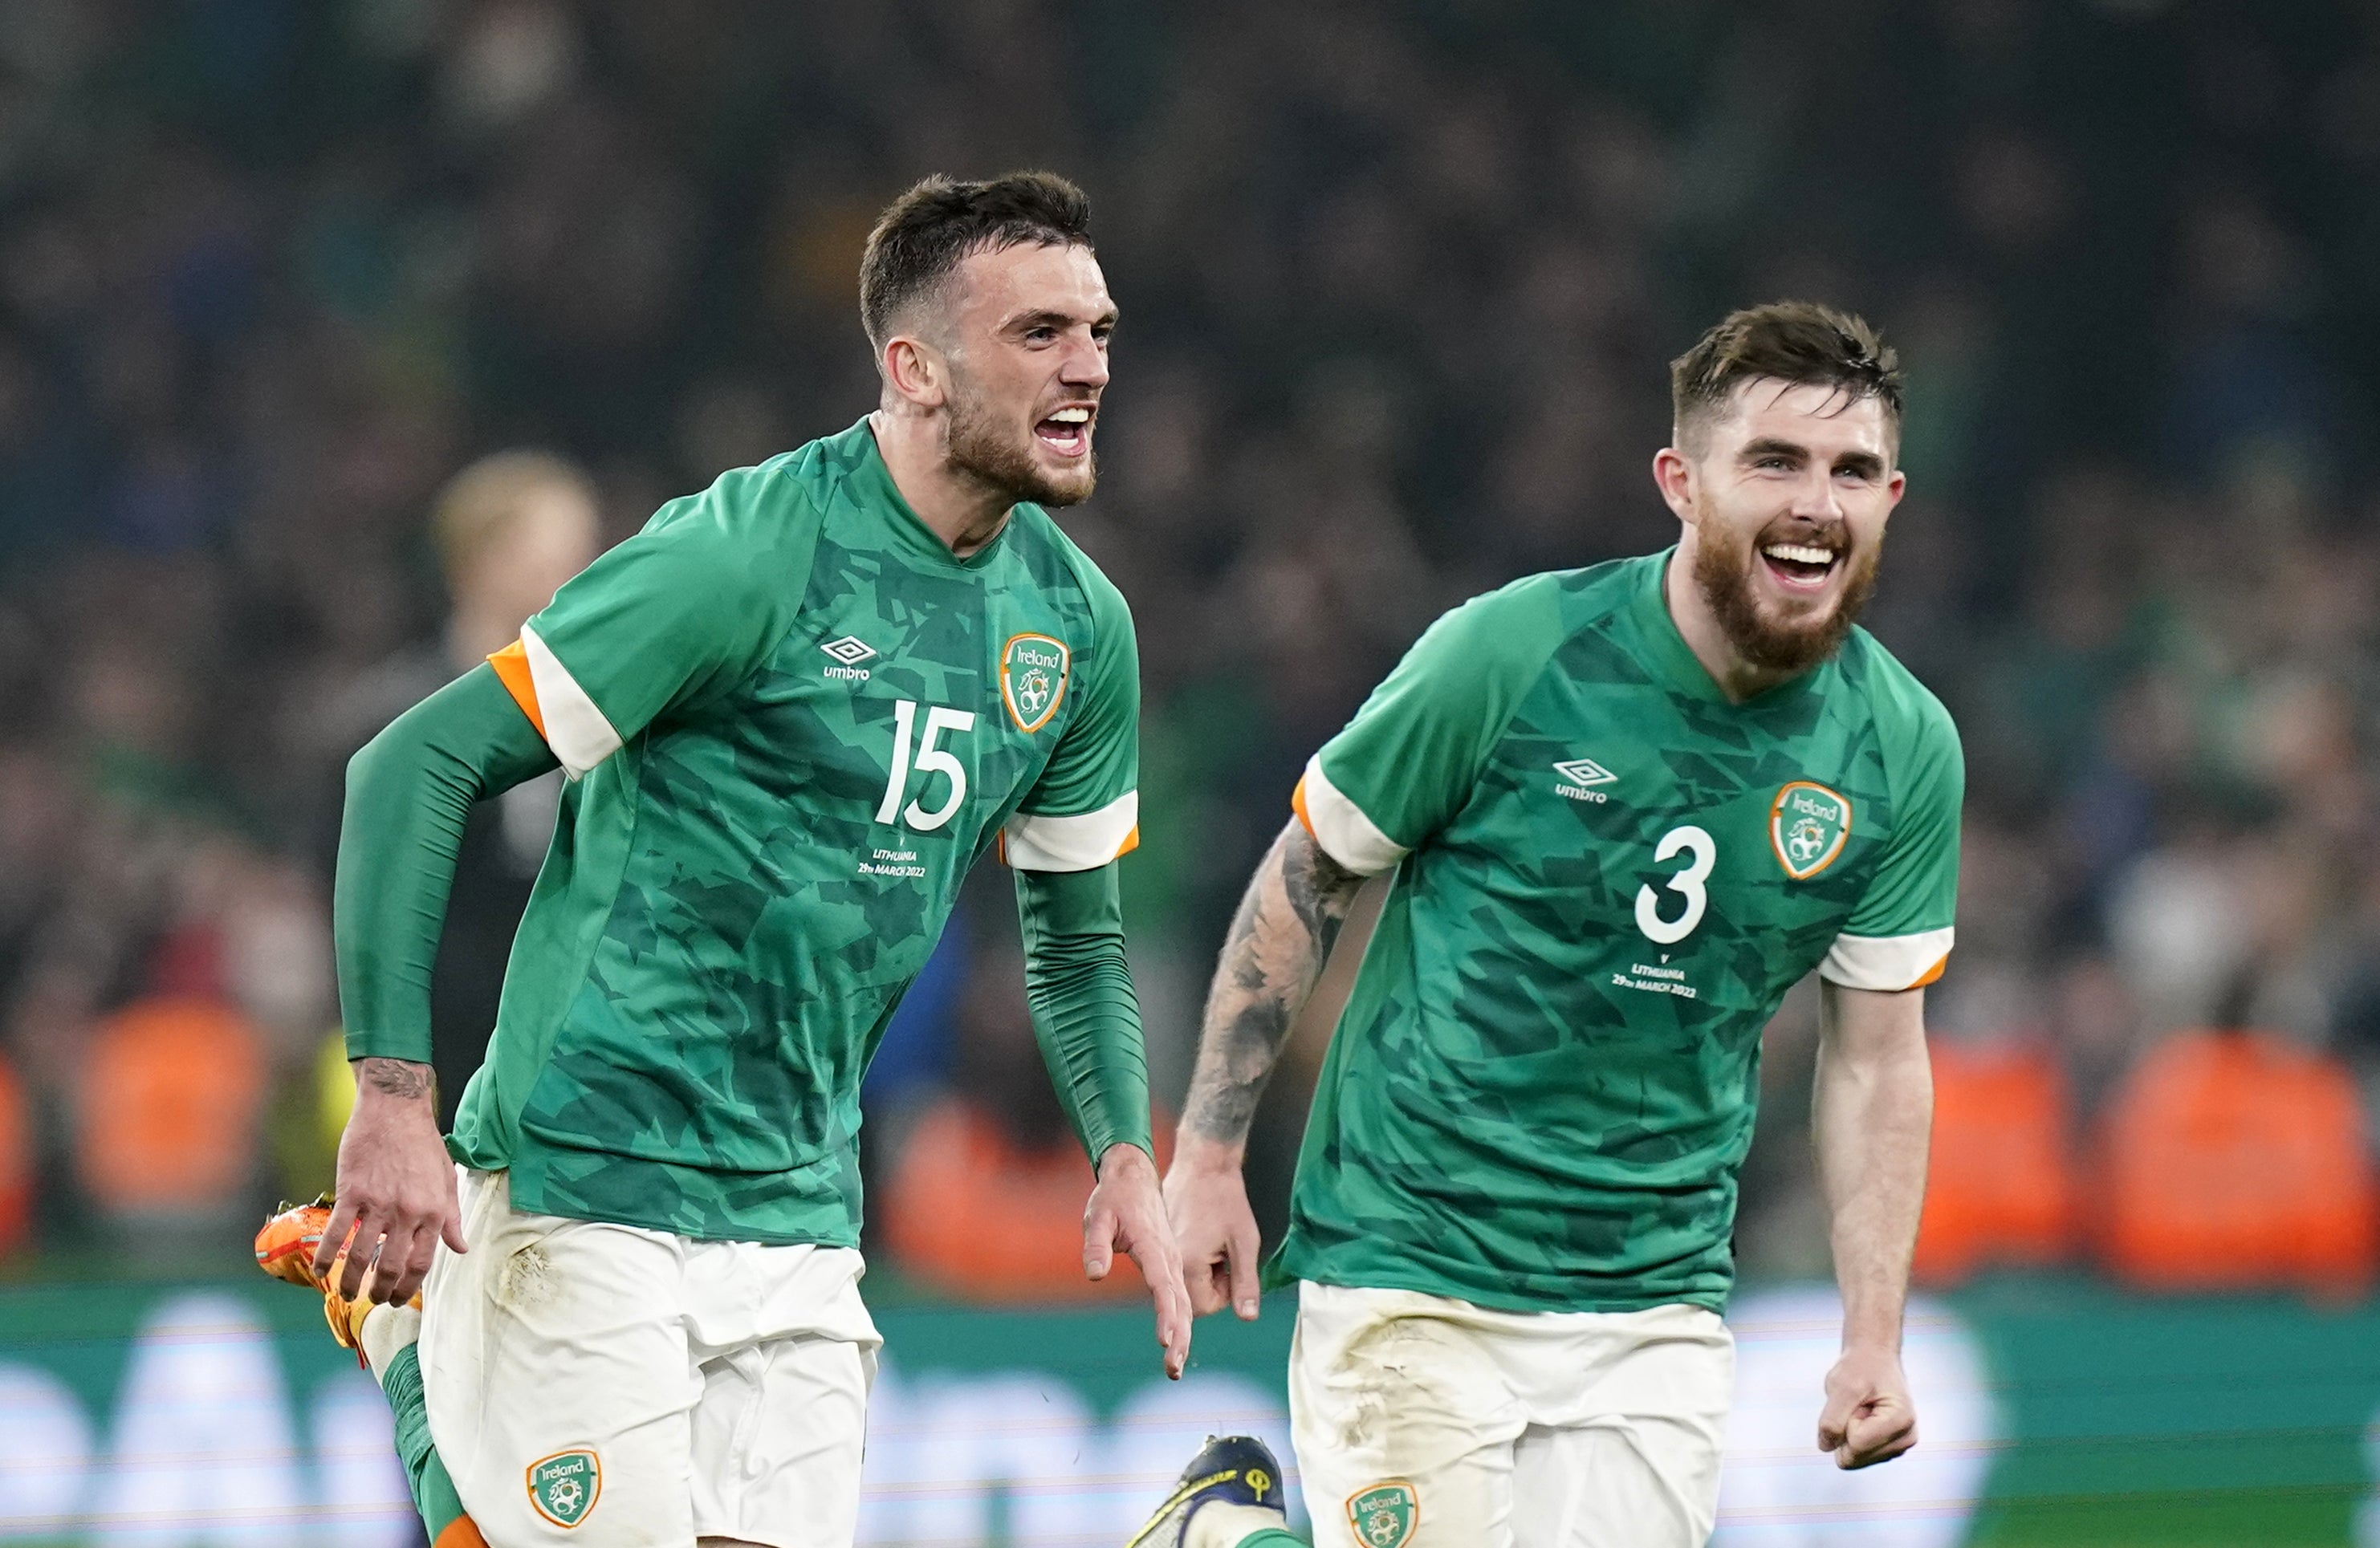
pixel 871 483
pixel 1673 661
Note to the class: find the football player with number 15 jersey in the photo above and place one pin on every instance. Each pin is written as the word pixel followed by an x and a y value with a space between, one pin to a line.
pixel 795 710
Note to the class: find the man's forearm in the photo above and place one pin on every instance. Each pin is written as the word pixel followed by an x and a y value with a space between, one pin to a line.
pixel 1279 942
pixel 409 794
pixel 1085 1013
pixel 1872 1114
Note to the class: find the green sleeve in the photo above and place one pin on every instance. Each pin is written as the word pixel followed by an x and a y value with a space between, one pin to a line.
pixel 1407 762
pixel 1084 1010
pixel 1085 809
pixel 1899 935
pixel 683 609
pixel 409 792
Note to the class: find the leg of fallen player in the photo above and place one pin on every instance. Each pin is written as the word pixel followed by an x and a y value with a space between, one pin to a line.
pixel 1218 1529
pixel 384 1337
pixel 388 1336
pixel 1229 1496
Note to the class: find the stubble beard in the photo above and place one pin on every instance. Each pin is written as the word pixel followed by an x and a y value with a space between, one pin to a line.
pixel 1723 574
pixel 978 446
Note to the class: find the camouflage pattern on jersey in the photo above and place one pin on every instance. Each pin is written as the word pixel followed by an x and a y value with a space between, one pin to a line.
pixel 1543 1086
pixel 785 696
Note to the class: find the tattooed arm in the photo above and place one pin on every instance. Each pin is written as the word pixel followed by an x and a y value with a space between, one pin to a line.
pixel 1279 942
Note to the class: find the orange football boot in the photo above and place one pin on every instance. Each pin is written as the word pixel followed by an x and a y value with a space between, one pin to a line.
pixel 286 1249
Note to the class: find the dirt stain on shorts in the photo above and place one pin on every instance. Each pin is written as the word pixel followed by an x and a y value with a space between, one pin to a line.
pixel 1404 1370
pixel 528 1281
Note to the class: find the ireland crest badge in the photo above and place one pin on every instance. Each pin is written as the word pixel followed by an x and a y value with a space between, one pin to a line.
pixel 1033 679
pixel 1385 1515
pixel 1807 825
pixel 564 1487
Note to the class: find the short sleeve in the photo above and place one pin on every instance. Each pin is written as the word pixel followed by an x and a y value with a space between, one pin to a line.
pixel 1899 935
pixel 1085 809
pixel 688 604
pixel 1408 761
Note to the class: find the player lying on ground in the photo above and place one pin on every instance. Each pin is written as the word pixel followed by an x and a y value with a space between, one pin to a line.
pixel 794 710
pixel 1628 807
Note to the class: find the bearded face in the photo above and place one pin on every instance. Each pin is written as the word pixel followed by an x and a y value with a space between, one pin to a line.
pixel 1003 449
pixel 1785 497
pixel 1738 575
pixel 1026 341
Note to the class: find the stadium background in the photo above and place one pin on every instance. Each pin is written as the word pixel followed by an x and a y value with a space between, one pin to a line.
pixel 1399 282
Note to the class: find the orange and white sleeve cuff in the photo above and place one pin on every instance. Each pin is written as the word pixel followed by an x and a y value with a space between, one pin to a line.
pixel 1888 963
pixel 1082 843
pixel 559 709
pixel 1340 826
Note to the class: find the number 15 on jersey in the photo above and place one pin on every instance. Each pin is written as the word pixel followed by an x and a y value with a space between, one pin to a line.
pixel 931 759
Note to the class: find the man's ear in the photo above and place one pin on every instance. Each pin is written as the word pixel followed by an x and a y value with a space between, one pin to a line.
pixel 1673 474
pixel 915 371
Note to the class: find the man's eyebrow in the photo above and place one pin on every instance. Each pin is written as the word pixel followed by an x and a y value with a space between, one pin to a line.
pixel 1863 462
pixel 1048 317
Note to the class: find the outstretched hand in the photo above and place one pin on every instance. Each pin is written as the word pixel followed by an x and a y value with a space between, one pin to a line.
pixel 1213 1228
pixel 1127 1214
pixel 1868 1417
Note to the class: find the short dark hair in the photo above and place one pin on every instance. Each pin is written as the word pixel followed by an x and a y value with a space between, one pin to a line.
pixel 929 231
pixel 1797 342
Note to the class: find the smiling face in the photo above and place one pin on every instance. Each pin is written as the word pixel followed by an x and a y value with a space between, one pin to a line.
pixel 1785 494
pixel 1025 340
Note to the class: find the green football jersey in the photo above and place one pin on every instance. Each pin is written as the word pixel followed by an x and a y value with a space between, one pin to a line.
pixel 791 720
pixel 1608 876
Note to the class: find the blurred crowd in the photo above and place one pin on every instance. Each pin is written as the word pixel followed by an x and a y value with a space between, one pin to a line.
pixel 1399 281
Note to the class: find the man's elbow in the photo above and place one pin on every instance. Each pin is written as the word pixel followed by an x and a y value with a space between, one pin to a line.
pixel 400 756
pixel 369 760
pixel 398 743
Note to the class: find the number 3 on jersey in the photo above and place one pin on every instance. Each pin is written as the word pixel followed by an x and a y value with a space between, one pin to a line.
pixel 1702 853
pixel 931 760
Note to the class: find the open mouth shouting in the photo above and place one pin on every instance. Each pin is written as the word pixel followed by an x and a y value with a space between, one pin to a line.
pixel 1067 432
pixel 1801 568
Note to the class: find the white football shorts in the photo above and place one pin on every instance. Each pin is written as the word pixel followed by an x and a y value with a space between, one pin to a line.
pixel 1422 1421
pixel 609 1386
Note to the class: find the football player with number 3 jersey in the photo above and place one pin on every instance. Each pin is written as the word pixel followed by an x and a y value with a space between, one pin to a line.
pixel 1626 809
pixel 794 712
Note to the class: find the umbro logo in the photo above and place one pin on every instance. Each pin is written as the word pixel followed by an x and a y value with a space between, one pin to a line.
pixel 1579 778
pixel 1584 772
pixel 848 652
